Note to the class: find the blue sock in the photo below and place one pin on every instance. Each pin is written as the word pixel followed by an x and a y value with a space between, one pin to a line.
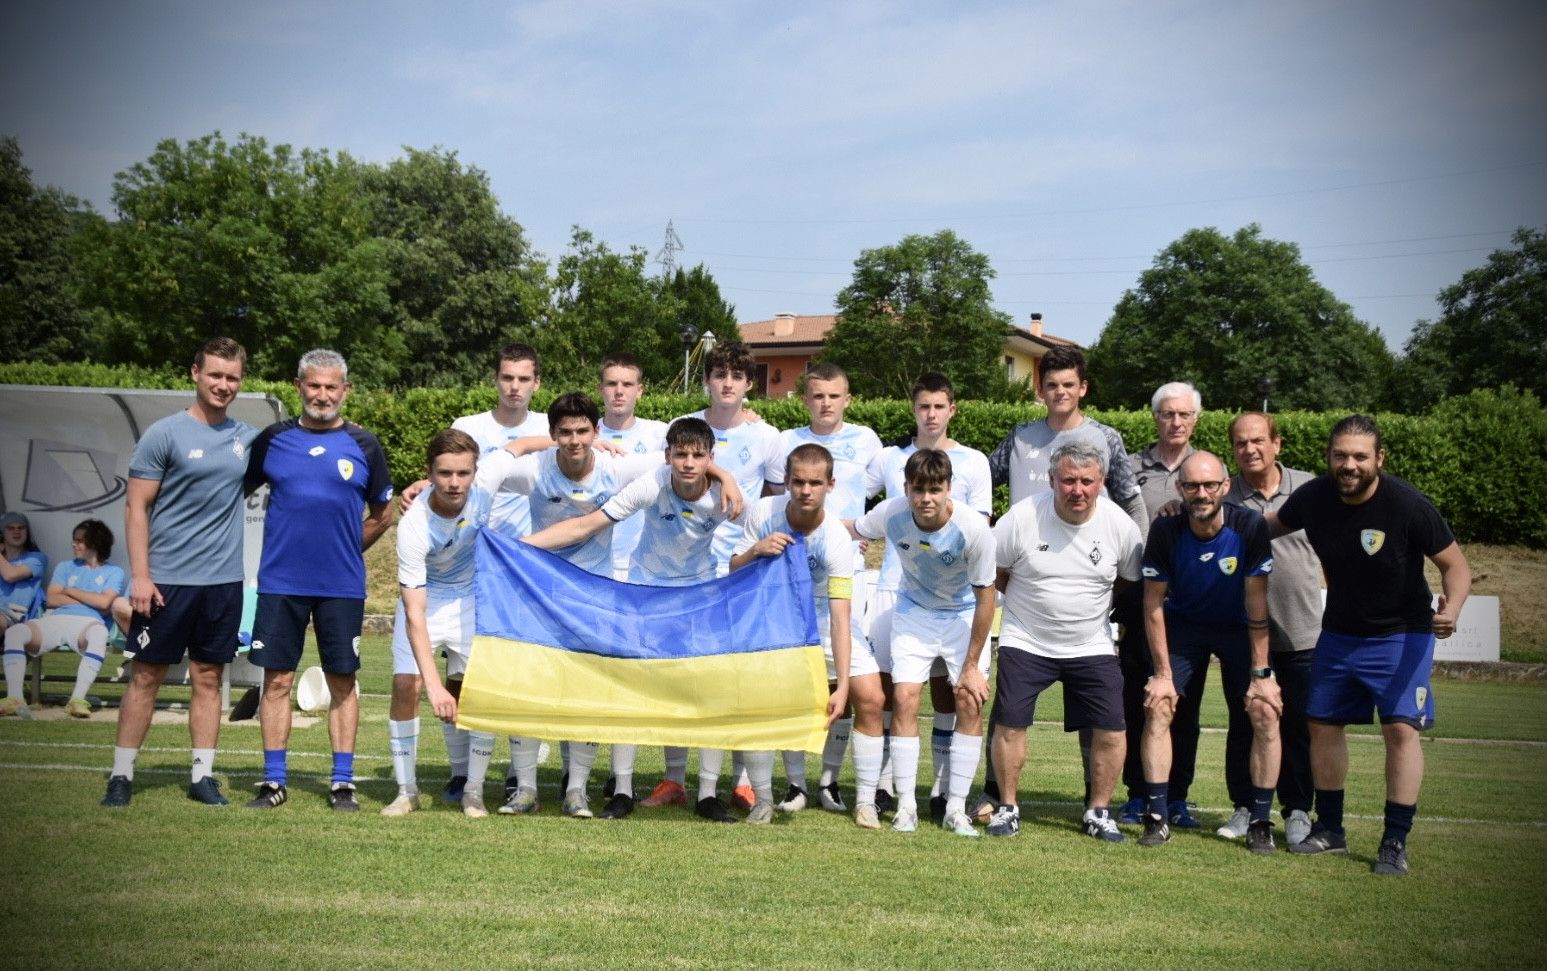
pixel 1262 804
pixel 1329 809
pixel 274 765
pixel 1155 798
pixel 1399 821
pixel 344 767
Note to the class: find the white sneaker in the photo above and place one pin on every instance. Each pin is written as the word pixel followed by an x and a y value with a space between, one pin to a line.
pixel 961 824
pixel 905 821
pixel 1297 827
pixel 1240 822
pixel 576 805
pixel 405 803
pixel 794 800
pixel 472 803
pixel 831 799
pixel 866 817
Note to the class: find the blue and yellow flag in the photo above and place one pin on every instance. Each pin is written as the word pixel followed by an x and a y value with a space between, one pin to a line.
pixel 733 663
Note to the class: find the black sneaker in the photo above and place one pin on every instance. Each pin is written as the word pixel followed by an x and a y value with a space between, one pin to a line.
pixel 619 806
pixel 937 809
pixel 712 809
pixel 885 801
pixel 1391 859
pixel 341 798
pixel 453 791
pixel 1259 837
pixel 207 791
pixel 1156 831
pixel 609 787
pixel 119 791
pixel 511 785
pixel 270 795
pixel 831 799
pixel 1322 840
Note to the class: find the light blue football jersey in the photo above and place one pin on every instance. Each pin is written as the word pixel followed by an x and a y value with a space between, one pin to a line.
pixel 436 552
pixel 939 568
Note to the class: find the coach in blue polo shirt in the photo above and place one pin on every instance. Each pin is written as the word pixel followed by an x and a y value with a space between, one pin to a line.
pixel 1206 592
pixel 324 474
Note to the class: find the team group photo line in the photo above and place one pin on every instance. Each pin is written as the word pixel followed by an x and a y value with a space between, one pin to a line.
pixel 593 578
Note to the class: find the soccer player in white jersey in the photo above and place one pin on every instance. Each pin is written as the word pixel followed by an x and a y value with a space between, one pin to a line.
pixel 749 450
pixel 566 482
pixel 852 448
pixel 622 382
pixel 518 373
pixel 945 608
pixel 435 544
pixel 934 405
pixel 771 525
pixel 682 506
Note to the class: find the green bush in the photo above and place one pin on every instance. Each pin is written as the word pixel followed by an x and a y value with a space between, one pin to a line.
pixel 1481 457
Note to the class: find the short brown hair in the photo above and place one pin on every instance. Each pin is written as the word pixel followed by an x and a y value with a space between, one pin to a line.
pixel 1272 425
pixel 515 353
pixel 451 441
pixel 1061 359
pixel 927 466
pixel 806 454
pixel 221 347
pixel 730 356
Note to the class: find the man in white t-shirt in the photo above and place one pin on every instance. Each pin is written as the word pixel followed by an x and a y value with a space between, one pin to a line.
pixel 1060 555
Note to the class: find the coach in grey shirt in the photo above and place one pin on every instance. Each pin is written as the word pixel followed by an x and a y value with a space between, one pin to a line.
pixel 1294 604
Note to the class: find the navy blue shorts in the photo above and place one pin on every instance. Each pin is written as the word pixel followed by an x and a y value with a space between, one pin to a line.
pixel 201 622
pixel 1093 689
pixel 1354 677
pixel 1190 646
pixel 279 631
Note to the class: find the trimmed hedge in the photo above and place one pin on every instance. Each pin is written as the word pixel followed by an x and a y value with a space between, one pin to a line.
pixel 1481 457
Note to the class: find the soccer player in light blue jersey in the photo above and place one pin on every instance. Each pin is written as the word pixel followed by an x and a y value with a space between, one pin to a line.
pixel 622 382
pixel 435 545
pixel 945 608
pixel 934 405
pixel 852 448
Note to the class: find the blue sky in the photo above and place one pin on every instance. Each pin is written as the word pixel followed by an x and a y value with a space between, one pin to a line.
pixel 1396 143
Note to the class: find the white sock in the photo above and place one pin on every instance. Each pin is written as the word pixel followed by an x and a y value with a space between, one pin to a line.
pixel 480 749
pixel 623 768
pixel 759 767
pixel 710 761
pixel 91 660
pixel 677 765
pixel 456 747
pixel 123 761
pixel 403 742
pixel 940 749
pixel 582 755
pixel 867 767
pixel 833 752
pixel 15 661
pixel 739 770
pixel 886 780
pixel 563 759
pixel 965 752
pixel 795 769
pixel 905 771
pixel 523 761
pixel 202 764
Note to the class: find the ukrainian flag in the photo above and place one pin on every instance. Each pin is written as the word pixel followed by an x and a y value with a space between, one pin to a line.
pixel 733 663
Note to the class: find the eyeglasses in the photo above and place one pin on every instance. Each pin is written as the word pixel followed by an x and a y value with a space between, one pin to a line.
pixel 1176 415
pixel 1196 487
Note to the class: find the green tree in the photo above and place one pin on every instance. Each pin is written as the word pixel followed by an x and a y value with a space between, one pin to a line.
pixel 1492 331
pixel 696 301
pixel 267 245
pixel 603 302
pixel 40 318
pixel 463 279
pixel 922 304
pixel 1225 311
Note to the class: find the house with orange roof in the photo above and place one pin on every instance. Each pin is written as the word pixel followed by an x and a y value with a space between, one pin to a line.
pixel 785 346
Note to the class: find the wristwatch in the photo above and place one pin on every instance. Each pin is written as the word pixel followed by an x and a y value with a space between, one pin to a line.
pixel 1262 672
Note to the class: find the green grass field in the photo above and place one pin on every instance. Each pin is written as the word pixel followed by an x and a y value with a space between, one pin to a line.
pixel 170 884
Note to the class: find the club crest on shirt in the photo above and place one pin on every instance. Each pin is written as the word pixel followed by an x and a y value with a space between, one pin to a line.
pixel 346 469
pixel 745 455
pixel 1227 565
pixel 947 557
pixel 1420 696
pixel 1371 540
pixel 1095 556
